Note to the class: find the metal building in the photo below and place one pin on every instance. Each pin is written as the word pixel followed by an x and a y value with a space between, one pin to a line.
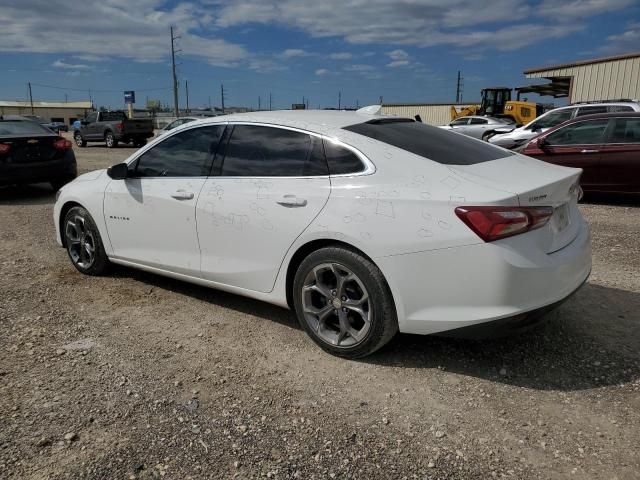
pixel 607 78
pixel 66 112
pixel 430 113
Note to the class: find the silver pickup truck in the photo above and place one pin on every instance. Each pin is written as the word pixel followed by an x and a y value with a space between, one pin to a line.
pixel 112 128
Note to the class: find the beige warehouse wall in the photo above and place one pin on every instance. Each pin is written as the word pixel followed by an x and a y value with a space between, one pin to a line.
pixel 48 113
pixel 600 81
pixel 431 114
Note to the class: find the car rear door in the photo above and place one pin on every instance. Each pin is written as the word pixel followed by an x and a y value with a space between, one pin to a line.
pixel 150 216
pixel 577 145
pixel 267 187
pixel 620 157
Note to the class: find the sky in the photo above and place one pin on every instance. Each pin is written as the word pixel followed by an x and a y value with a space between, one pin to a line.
pixel 317 50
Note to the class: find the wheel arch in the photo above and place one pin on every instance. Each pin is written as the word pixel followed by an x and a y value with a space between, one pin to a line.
pixel 306 249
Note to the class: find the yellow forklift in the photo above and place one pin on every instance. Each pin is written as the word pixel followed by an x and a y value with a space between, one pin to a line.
pixel 496 102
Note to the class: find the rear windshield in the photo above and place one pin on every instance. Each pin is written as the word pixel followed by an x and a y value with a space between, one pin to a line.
pixel 109 116
pixel 434 143
pixel 21 127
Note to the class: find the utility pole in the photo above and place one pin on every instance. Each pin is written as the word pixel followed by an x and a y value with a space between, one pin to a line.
pixel 90 98
pixel 339 100
pixel 259 103
pixel 30 98
pixel 66 98
pixel 270 98
pixel 459 88
pixel 186 87
pixel 209 102
pixel 222 96
pixel 380 99
pixel 175 78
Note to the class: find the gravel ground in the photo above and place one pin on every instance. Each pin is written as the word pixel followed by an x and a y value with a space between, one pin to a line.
pixel 138 376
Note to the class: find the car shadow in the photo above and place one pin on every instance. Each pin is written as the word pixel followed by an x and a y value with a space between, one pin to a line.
pixel 590 341
pixel 618 200
pixel 34 194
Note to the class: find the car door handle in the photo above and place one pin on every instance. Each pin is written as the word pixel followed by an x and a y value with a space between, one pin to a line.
pixel 291 201
pixel 589 151
pixel 182 195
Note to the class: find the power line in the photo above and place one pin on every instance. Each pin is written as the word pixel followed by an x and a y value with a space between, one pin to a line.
pixel 97 91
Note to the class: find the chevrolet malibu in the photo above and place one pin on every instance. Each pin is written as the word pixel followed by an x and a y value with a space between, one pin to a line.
pixel 364 225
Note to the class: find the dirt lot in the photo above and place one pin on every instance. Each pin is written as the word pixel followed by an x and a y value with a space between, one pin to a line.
pixel 137 376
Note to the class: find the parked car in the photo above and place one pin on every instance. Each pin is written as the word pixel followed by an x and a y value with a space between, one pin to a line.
pixel 364 225
pixel 51 125
pixel 605 146
pixel 176 123
pixel 513 138
pixel 30 153
pixel 112 128
pixel 477 126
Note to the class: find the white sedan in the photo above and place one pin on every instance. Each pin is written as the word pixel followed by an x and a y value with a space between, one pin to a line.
pixel 364 225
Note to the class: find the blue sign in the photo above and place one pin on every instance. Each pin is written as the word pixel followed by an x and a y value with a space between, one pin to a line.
pixel 129 96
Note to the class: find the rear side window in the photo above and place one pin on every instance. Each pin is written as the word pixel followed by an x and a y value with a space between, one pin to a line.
pixel 258 151
pixel 22 127
pixel 341 160
pixel 551 119
pixel 434 143
pixel 185 154
pixel 479 121
pixel 620 108
pixel 626 130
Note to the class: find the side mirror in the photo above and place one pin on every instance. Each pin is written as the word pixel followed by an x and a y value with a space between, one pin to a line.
pixel 543 144
pixel 119 171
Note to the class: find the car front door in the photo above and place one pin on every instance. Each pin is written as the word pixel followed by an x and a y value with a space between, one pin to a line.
pixel 620 157
pixel 266 189
pixel 477 127
pixel 89 128
pixel 460 125
pixel 578 145
pixel 151 215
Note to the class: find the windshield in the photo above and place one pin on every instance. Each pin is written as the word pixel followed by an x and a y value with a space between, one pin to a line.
pixel 551 119
pixel 434 143
pixel 21 127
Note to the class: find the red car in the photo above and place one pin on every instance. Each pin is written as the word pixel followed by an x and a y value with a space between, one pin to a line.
pixel 605 145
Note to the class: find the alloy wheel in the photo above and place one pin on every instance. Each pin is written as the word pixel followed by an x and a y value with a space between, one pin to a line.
pixel 336 305
pixel 80 242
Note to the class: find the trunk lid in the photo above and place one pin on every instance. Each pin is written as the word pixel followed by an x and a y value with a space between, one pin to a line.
pixel 534 183
pixel 30 149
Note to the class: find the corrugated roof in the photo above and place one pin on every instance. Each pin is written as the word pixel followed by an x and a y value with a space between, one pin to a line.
pixel 86 105
pixel 583 62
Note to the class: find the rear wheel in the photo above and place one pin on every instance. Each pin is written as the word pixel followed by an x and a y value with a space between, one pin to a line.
pixel 83 242
pixel 343 302
pixel 110 140
pixel 81 142
pixel 139 142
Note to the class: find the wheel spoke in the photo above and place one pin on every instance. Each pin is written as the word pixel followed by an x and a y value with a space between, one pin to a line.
pixel 321 313
pixel 320 289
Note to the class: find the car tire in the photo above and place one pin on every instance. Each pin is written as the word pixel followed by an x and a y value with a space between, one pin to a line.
pixel 79 139
pixel 58 183
pixel 487 135
pixel 343 302
pixel 110 140
pixel 139 142
pixel 83 242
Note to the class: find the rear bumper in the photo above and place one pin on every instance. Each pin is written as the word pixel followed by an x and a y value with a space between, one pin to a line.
pixel 447 289
pixel 22 173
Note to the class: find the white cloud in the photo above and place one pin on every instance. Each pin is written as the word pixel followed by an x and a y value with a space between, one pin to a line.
pixel 322 71
pixel 294 52
pixel 568 9
pixel 341 56
pixel 112 28
pixel 398 63
pixel 69 66
pixel 624 42
pixel 359 68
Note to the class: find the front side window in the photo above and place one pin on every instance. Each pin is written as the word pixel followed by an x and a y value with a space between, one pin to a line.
pixel 459 121
pixel 551 119
pixel 583 133
pixel 259 151
pixel 92 117
pixel 185 154
pixel 591 110
pixel 626 130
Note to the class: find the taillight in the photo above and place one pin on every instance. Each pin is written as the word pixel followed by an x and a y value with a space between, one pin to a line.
pixel 62 144
pixel 4 148
pixel 495 222
pixel 120 126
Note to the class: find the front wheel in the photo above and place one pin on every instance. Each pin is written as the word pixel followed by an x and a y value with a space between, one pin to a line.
pixel 487 135
pixel 83 242
pixel 110 140
pixel 344 303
